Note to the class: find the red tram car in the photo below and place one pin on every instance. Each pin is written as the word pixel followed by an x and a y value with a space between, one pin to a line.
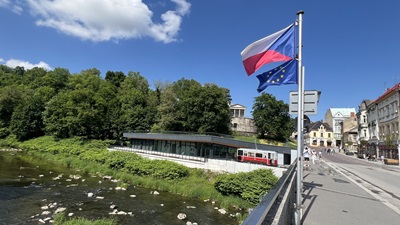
pixel 269 158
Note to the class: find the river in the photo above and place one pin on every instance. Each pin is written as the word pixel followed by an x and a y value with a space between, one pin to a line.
pixel 32 190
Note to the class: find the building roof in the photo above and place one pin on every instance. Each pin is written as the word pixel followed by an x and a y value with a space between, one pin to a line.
pixel 346 112
pixel 368 102
pixel 237 106
pixel 388 91
pixel 316 125
pixel 207 139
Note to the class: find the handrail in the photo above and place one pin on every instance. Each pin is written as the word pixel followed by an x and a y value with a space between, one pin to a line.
pixel 262 210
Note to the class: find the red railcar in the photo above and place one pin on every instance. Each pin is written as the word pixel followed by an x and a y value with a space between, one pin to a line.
pixel 269 158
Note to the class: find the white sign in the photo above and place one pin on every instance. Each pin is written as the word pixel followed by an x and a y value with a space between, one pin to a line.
pixel 311 99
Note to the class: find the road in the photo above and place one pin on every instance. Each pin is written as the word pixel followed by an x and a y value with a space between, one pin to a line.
pixel 380 180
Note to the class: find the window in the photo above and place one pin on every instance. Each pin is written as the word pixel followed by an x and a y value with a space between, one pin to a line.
pixel 329 135
pixel 315 134
pixel 322 134
pixel 258 155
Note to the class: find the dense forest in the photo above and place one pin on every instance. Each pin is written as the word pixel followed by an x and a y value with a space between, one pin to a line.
pixel 37 102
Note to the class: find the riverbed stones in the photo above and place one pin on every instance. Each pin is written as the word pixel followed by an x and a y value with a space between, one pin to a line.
pixel 90 194
pixel 46 212
pixel 60 210
pixel 222 211
pixel 181 216
pixel 190 223
pixel 121 213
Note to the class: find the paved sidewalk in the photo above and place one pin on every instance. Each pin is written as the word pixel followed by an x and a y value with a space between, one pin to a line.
pixel 330 198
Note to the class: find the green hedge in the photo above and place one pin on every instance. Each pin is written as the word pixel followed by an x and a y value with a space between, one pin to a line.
pixel 249 186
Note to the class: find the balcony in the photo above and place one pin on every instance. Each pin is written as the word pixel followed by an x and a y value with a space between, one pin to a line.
pixel 362 125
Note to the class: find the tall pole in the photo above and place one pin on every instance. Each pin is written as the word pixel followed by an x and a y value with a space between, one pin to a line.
pixel 300 117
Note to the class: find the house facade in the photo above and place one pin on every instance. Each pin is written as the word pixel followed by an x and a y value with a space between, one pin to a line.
pixel 381 137
pixel 320 135
pixel 335 118
pixel 239 123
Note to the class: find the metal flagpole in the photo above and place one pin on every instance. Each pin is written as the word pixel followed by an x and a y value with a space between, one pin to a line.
pixel 300 117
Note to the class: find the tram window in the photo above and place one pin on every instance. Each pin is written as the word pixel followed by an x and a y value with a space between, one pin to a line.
pixel 251 154
pixel 245 154
pixel 240 152
pixel 259 155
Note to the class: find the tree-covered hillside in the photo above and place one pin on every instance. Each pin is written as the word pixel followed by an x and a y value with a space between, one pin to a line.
pixel 36 102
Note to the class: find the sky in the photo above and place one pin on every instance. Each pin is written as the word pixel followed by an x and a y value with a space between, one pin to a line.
pixel 350 48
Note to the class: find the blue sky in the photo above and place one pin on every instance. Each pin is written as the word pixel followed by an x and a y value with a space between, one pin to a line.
pixel 350 48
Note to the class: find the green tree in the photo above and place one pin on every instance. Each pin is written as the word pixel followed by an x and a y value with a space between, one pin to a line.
pixel 271 117
pixel 27 121
pixel 115 78
pixel 8 77
pixel 83 109
pixel 56 79
pixel 10 98
pixel 32 77
pixel 167 118
pixel 186 105
pixel 207 109
pixel 137 102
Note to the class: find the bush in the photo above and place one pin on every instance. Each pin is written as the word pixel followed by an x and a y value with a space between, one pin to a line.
pixel 249 186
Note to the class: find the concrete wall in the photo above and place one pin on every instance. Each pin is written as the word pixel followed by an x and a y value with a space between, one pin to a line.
pixel 228 166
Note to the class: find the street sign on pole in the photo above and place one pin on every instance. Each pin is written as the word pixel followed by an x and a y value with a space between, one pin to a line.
pixel 311 99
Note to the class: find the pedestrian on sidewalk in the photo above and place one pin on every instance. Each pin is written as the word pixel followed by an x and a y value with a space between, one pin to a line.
pixel 313 156
pixel 306 155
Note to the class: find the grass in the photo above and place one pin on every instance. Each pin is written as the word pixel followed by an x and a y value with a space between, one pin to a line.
pixel 254 139
pixel 61 219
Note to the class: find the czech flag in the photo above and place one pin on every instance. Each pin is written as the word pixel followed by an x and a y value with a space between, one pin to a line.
pixel 276 47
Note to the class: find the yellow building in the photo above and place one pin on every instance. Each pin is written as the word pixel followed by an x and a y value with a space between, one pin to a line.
pixel 320 134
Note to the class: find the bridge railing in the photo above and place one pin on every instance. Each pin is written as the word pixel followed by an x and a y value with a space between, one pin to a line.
pixel 277 207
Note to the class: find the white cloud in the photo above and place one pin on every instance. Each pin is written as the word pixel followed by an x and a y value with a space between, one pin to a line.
pixel 27 65
pixel 104 20
pixel 13 7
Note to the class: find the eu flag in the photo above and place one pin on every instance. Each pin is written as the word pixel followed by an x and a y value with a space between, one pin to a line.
pixel 283 74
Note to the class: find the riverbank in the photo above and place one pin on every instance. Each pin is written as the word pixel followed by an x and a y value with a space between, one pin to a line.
pixel 92 157
pixel 36 191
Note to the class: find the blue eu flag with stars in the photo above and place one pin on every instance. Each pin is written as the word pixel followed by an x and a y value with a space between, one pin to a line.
pixel 283 74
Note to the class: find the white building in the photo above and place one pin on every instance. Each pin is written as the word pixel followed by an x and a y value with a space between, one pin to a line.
pixel 362 118
pixel 239 123
pixel 335 118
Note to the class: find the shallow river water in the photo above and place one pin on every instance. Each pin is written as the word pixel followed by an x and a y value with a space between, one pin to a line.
pixel 26 186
